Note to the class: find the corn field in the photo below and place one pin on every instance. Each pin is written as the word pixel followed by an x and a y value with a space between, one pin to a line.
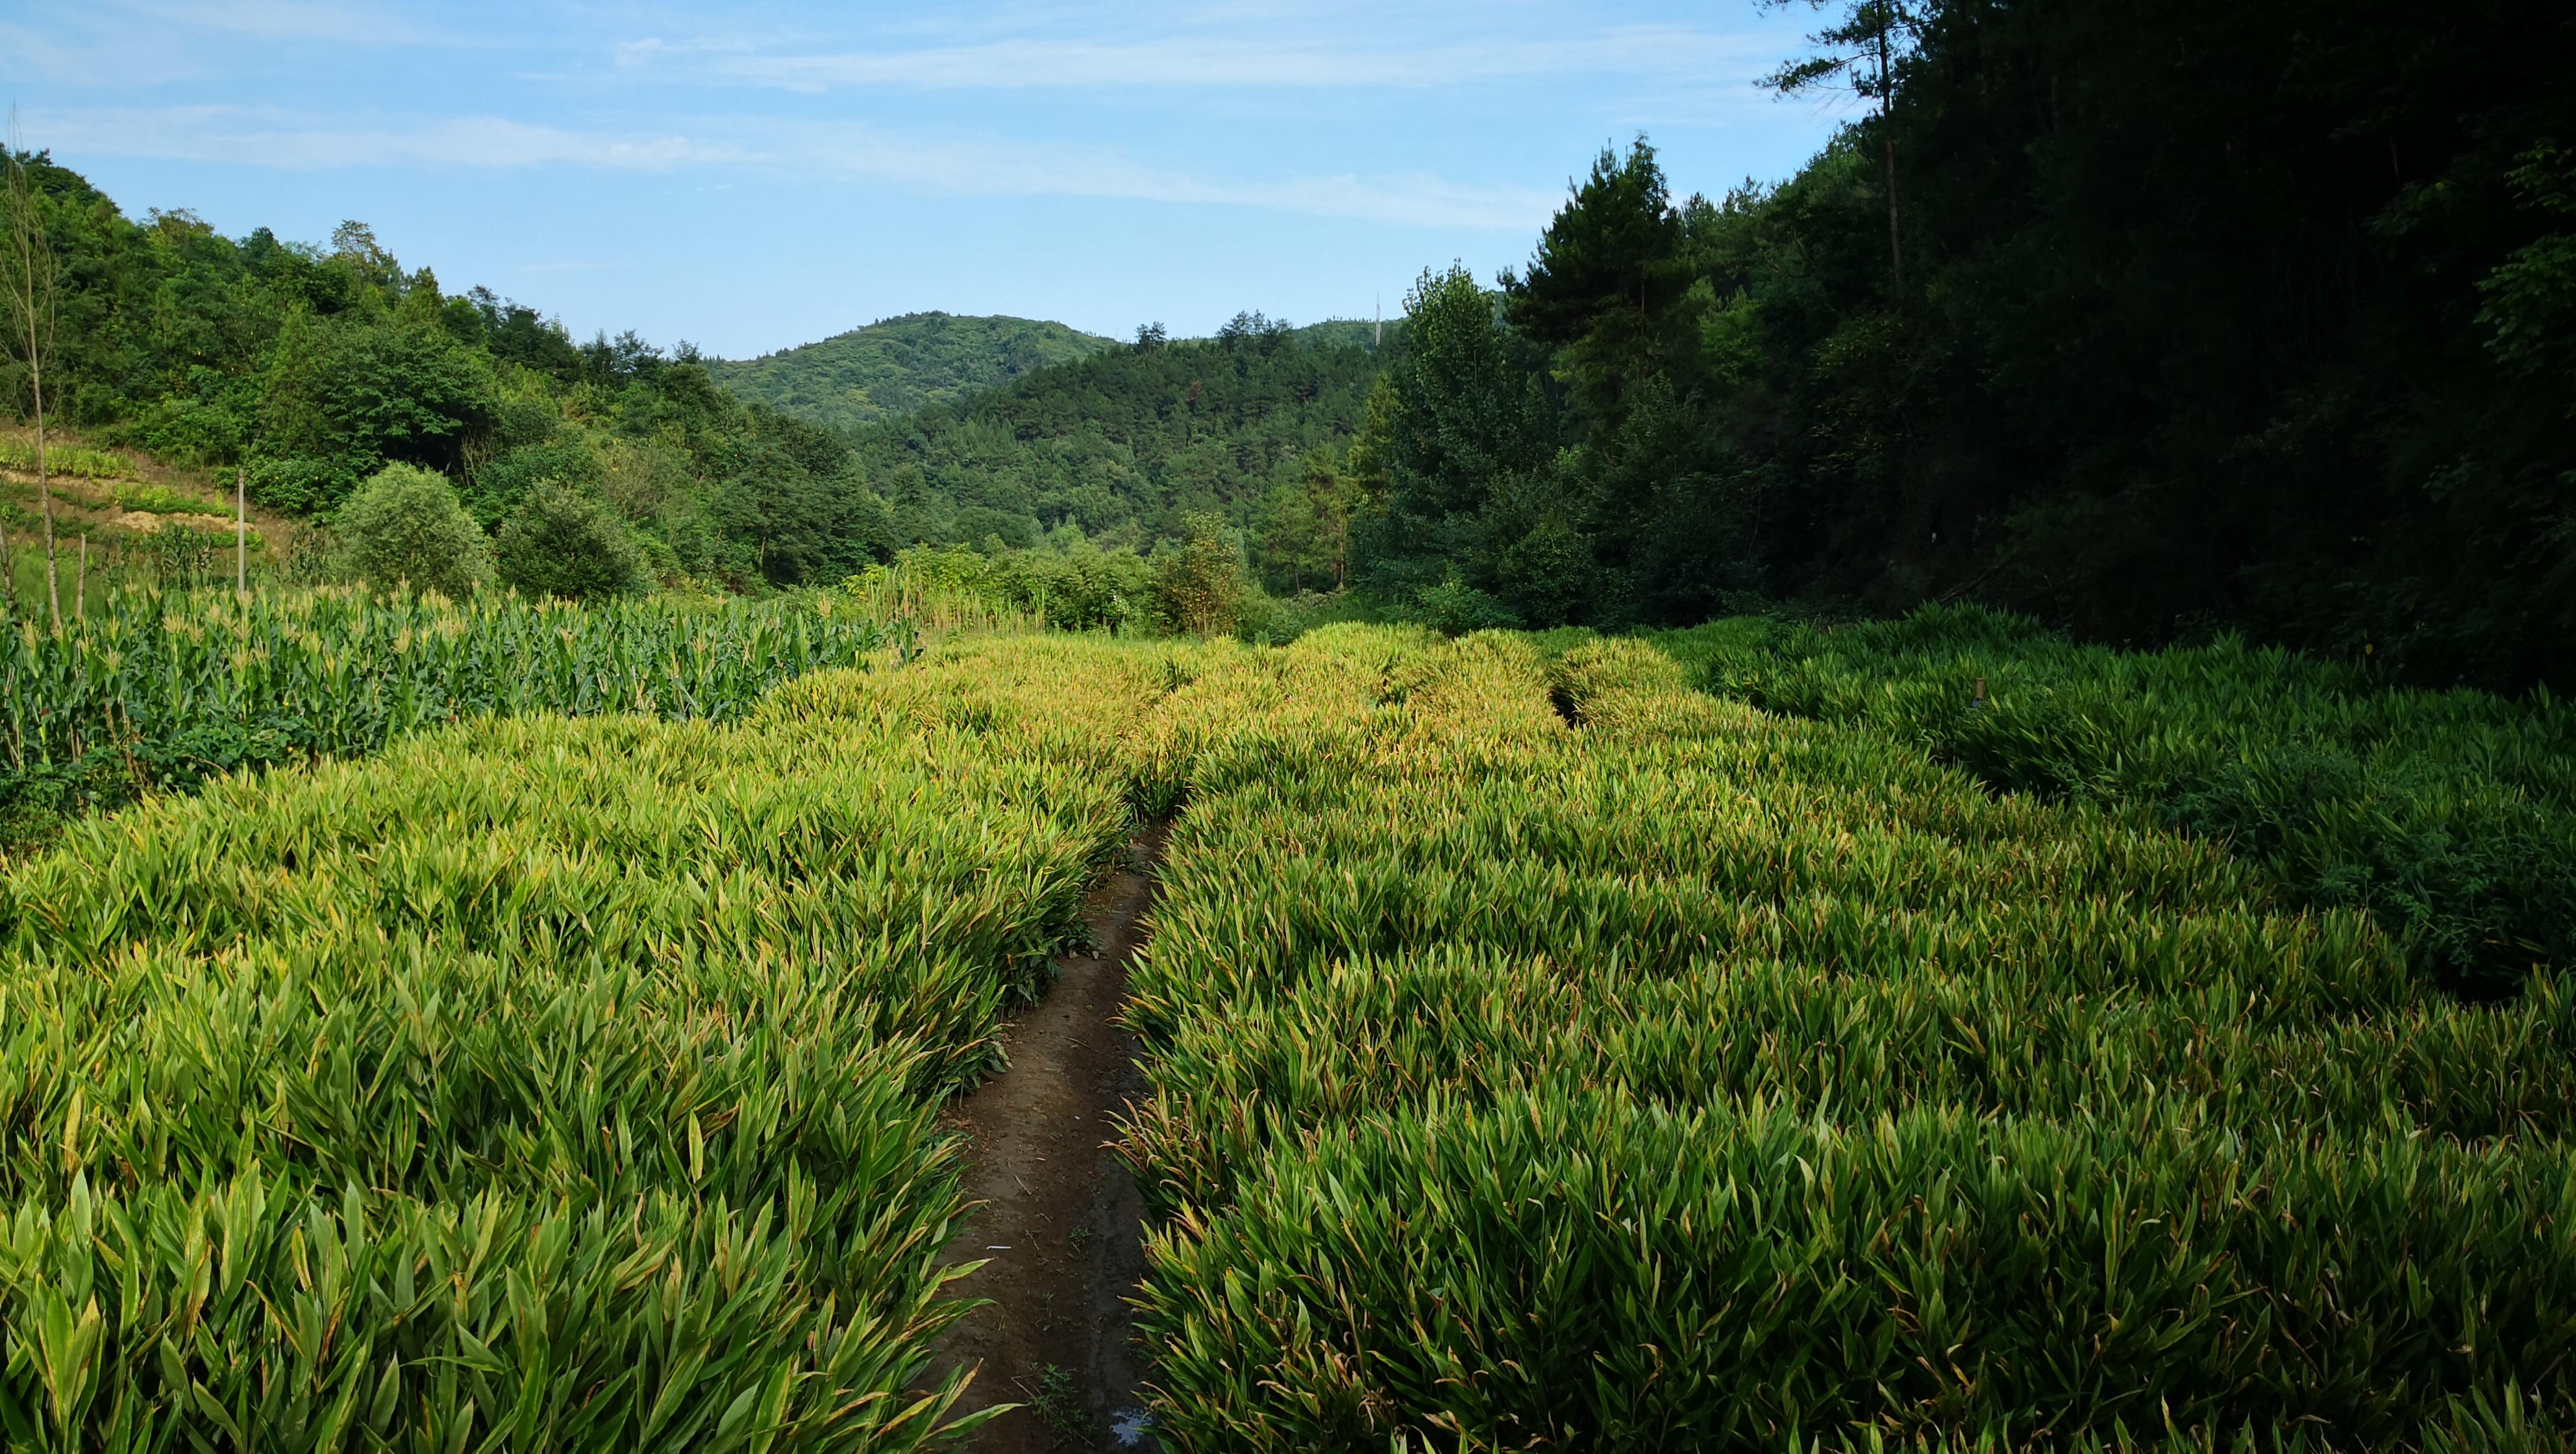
pixel 164 690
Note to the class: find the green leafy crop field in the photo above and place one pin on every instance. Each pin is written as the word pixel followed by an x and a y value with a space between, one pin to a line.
pixel 1541 1051
pixel 1684 1076
pixel 539 1083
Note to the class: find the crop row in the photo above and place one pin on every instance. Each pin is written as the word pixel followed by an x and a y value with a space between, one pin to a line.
pixel 2449 815
pixel 1551 1055
pixel 167 690
pixel 540 1082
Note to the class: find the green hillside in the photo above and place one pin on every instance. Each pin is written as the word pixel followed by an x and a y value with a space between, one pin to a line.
pixel 1123 444
pixel 898 365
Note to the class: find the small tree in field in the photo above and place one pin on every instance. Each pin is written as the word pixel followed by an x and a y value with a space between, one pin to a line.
pixel 406 527
pixel 1199 588
pixel 560 542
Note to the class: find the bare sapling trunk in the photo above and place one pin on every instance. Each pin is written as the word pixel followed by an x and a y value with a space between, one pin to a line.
pixel 31 304
pixel 45 492
pixel 1887 145
pixel 80 584
pixel 241 537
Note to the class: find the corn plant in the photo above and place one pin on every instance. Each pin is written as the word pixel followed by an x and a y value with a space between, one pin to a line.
pixel 167 689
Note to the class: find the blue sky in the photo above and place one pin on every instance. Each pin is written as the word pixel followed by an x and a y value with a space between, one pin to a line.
pixel 759 175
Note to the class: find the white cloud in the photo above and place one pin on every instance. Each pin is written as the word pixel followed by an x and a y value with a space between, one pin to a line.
pixel 1185 61
pixel 256 137
pixel 346 21
pixel 821 152
pixel 1023 169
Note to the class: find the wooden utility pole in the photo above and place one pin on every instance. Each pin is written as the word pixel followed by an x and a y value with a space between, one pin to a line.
pixel 241 537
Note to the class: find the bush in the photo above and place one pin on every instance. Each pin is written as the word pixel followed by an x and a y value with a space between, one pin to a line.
pixel 299 484
pixel 1268 620
pixel 560 542
pixel 405 526
pixel 1457 608
pixel 1198 589
pixel 505 482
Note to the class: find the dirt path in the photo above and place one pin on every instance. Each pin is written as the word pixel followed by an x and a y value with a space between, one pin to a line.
pixel 1061 1225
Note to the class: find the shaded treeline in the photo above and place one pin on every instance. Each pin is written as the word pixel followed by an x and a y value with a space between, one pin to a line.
pixel 2207 316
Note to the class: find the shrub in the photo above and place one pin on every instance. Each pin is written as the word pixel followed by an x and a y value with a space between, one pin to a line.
pixel 405 526
pixel 505 482
pixel 300 484
pixel 1457 608
pixel 1198 589
pixel 560 542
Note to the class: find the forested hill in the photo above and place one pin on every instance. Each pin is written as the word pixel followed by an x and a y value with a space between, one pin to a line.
pixel 311 368
pixel 2151 320
pixel 1123 445
pixel 898 365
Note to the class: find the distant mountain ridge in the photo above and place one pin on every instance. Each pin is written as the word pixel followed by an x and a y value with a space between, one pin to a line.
pixel 896 366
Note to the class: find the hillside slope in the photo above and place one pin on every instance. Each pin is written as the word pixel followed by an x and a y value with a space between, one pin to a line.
pixel 1122 445
pixel 897 365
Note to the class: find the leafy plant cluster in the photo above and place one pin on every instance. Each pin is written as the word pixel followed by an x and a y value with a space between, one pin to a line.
pixel 1549 1054
pixel 87 464
pixel 2149 320
pixel 542 1083
pixel 1197 586
pixel 2451 816
pixel 163 691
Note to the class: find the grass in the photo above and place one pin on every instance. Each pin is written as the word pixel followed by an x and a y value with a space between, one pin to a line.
pixel 1059 1407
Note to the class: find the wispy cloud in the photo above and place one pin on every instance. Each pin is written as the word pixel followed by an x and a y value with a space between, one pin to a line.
pixel 822 153
pixel 257 137
pixel 342 21
pixel 47 55
pixel 995 167
pixel 1201 61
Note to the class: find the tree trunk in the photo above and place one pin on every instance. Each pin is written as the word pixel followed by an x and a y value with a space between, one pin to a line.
pixel 1887 144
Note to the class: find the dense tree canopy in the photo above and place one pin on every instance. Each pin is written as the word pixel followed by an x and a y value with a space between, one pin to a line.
pixel 898 365
pixel 1126 445
pixel 313 369
pixel 2209 315
pixel 2151 320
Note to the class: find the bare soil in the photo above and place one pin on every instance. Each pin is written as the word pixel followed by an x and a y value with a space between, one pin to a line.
pixel 1061 1226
